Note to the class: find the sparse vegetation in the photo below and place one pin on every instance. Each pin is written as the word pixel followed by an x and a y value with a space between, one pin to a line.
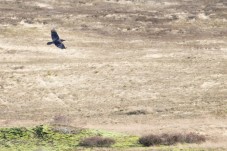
pixel 171 139
pixel 97 141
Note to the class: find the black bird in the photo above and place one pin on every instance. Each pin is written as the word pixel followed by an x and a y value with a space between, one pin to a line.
pixel 56 40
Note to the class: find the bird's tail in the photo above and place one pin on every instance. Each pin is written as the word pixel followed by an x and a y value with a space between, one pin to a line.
pixel 49 43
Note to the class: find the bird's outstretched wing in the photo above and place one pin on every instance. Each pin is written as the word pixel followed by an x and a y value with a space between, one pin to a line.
pixel 54 35
pixel 49 43
pixel 59 44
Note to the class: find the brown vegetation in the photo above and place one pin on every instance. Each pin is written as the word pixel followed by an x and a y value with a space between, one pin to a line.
pixel 171 139
pixel 97 141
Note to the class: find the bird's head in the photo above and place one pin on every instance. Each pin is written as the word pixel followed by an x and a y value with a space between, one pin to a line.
pixel 53 30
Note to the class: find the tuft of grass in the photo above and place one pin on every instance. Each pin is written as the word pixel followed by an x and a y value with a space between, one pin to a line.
pixel 171 139
pixel 97 141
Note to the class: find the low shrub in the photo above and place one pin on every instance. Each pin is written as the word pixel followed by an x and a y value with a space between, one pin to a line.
pixel 171 139
pixel 194 138
pixel 150 140
pixel 13 133
pixel 97 141
pixel 40 131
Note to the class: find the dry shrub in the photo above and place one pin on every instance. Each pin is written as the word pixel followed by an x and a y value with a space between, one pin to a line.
pixel 194 138
pixel 171 139
pixel 97 141
pixel 150 140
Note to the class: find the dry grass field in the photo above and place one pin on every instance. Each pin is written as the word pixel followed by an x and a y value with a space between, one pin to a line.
pixel 132 66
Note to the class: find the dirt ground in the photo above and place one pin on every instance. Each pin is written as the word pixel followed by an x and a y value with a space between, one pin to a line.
pixel 134 66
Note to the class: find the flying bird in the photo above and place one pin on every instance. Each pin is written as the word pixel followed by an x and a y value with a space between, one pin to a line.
pixel 56 40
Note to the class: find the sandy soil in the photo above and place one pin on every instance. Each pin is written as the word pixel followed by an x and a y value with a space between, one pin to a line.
pixel 139 67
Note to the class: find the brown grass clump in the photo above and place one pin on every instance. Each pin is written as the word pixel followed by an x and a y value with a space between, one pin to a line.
pixel 97 141
pixel 171 139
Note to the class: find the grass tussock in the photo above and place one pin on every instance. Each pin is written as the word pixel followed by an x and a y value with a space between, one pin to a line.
pixel 171 139
pixel 97 141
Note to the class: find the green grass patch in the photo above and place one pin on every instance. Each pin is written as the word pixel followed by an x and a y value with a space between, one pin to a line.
pixel 57 138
